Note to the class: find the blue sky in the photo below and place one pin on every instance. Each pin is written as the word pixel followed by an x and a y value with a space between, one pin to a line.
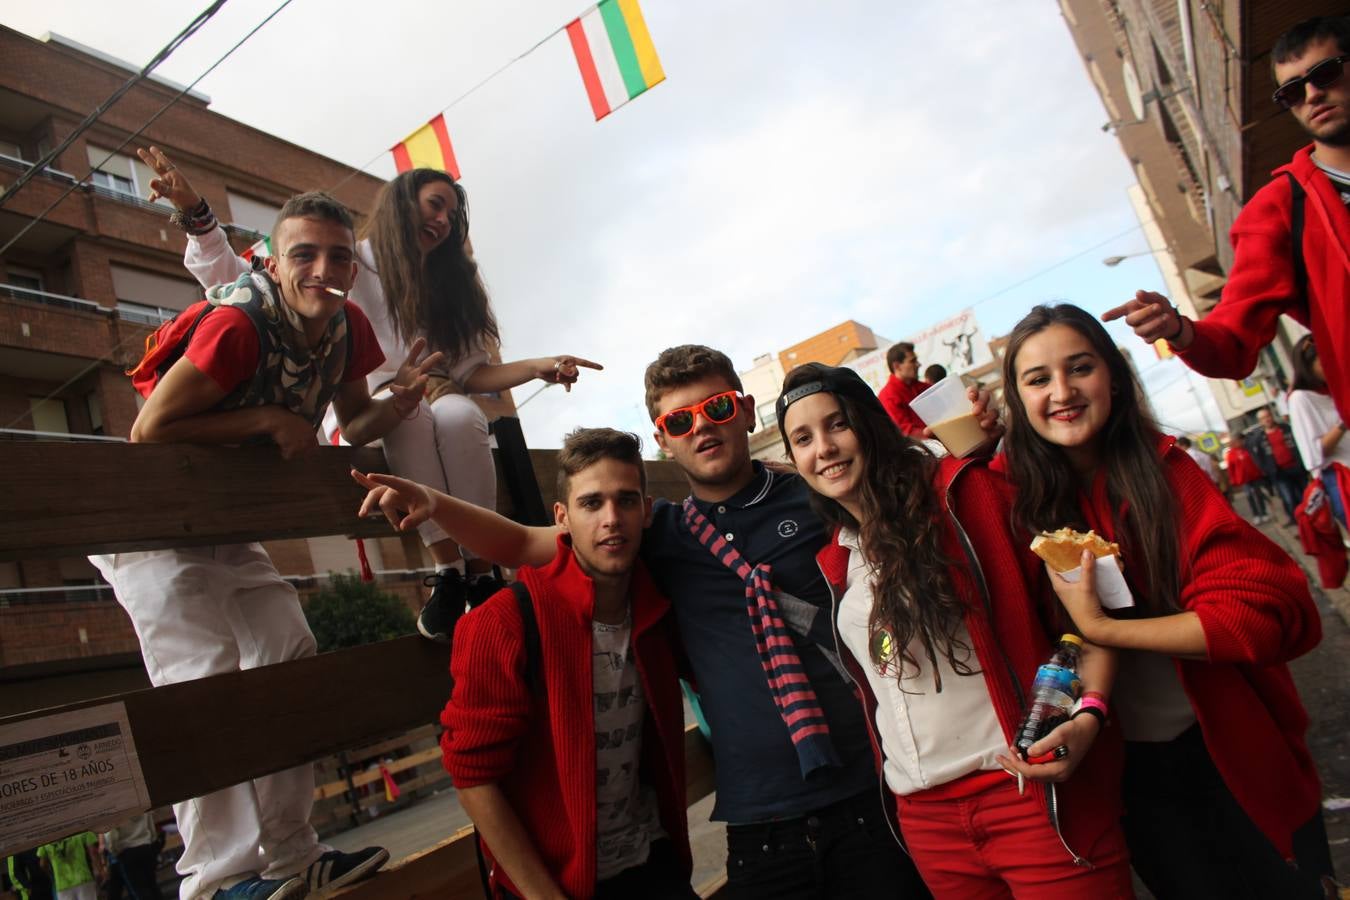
pixel 804 163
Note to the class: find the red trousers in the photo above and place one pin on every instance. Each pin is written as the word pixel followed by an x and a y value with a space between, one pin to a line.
pixel 988 843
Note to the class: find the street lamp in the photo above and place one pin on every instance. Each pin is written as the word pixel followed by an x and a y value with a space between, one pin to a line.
pixel 1117 260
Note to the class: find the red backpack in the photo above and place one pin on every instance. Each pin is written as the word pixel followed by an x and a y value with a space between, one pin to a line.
pixel 166 345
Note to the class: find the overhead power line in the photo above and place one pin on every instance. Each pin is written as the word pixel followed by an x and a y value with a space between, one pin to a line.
pixel 108 356
pixel 464 96
pixel 137 133
pixel 164 53
pixel 1063 262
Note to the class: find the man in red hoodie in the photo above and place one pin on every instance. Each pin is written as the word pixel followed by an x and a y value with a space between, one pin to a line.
pixel 1269 275
pixel 569 755
pixel 902 387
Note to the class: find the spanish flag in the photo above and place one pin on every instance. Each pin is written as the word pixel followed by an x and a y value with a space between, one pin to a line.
pixel 615 54
pixel 427 148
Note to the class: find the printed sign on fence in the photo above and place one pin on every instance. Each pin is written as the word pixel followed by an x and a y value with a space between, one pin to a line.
pixel 66 773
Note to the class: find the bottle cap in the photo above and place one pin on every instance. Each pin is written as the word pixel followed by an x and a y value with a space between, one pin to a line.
pixel 1072 639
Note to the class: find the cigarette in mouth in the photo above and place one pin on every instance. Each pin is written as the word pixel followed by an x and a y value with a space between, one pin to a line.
pixel 335 292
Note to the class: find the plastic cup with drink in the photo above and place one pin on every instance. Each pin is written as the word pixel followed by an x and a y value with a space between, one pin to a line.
pixel 945 409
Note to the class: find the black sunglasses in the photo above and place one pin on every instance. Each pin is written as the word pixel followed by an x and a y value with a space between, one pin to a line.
pixel 1321 76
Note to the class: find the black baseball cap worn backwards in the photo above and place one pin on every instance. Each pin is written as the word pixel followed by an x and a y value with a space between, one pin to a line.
pixel 831 380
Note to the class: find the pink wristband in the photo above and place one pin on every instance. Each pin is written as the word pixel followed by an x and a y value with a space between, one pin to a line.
pixel 1088 701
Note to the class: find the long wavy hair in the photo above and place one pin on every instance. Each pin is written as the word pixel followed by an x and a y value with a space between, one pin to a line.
pixel 1302 359
pixel 439 295
pixel 1142 505
pixel 900 535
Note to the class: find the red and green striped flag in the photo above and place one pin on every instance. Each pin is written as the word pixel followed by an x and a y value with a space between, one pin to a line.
pixel 262 249
pixel 427 148
pixel 615 54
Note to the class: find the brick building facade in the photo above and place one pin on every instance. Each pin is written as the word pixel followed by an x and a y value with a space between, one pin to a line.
pixel 1186 86
pixel 81 290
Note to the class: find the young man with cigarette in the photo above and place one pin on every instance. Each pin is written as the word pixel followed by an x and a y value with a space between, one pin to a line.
pixel 573 772
pixel 257 362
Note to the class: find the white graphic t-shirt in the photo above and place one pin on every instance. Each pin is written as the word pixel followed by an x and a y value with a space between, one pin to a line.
pixel 625 811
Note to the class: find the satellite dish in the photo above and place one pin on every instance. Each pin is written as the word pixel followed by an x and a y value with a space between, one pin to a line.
pixel 1132 90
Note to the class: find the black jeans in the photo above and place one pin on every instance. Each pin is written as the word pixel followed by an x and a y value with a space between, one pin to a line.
pixel 845 850
pixel 659 878
pixel 1190 839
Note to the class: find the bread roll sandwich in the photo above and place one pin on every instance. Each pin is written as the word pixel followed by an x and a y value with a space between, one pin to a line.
pixel 1063 549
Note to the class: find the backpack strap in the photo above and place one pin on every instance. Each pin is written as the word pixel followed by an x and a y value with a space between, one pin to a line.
pixel 530 632
pixel 1297 200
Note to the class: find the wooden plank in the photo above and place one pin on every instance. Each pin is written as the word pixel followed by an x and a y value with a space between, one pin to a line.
pixel 147 496
pixel 74 499
pixel 450 869
pixel 335 788
pixel 200 736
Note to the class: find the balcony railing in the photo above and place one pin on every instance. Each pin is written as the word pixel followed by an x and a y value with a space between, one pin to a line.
pixel 150 315
pixel 20 434
pixel 14 292
pixel 120 196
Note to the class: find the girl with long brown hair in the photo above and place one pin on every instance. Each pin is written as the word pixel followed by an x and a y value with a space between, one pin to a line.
pixel 417 279
pixel 940 620
pixel 1219 786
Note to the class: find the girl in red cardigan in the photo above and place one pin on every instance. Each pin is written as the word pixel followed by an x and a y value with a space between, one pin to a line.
pixel 938 625
pixel 1220 789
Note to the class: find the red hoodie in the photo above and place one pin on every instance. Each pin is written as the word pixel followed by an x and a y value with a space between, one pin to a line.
pixel 1257 613
pixel 1261 281
pixel 1006 594
pixel 544 759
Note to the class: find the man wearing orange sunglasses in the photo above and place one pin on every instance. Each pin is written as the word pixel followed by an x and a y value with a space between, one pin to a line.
pixel 795 777
pixel 795 773
pixel 1291 243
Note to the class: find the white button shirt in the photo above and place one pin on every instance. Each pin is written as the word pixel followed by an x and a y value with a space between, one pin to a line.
pixel 927 739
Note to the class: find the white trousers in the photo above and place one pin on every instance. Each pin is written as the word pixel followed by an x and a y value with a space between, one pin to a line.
pixel 445 446
pixel 208 611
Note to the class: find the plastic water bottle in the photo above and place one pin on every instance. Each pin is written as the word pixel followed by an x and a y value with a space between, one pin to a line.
pixel 1053 693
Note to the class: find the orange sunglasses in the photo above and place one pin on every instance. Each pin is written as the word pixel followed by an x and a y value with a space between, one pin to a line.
pixel 718 409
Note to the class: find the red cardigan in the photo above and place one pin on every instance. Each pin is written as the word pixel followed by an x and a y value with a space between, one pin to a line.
pixel 1004 587
pixel 541 751
pixel 895 396
pixel 1254 604
pixel 1261 281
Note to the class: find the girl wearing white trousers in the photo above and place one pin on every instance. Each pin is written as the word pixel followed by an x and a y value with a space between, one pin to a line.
pixel 417 278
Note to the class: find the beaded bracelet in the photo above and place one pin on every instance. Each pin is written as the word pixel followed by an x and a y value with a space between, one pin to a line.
pixel 196 221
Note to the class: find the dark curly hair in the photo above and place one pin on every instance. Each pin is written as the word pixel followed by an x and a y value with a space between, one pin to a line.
pixel 901 532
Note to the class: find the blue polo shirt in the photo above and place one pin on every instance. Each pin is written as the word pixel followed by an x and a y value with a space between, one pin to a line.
pixel 758 775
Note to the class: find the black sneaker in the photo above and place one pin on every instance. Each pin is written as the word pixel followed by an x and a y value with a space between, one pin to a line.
pixel 449 594
pixel 482 588
pixel 335 869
